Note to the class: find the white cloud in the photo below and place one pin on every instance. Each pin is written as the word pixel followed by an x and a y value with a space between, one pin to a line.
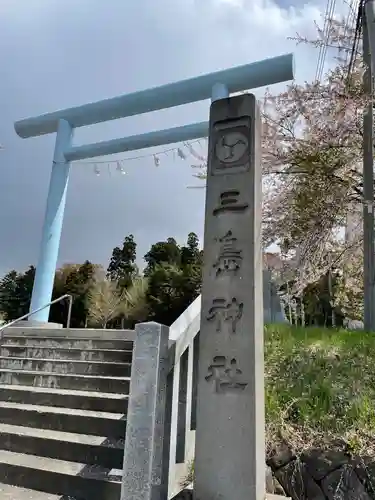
pixel 239 31
pixel 272 16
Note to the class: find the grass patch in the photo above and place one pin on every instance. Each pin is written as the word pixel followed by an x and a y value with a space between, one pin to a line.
pixel 320 388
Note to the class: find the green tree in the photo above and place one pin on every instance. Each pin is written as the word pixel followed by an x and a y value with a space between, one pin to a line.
pixel 8 287
pixel 79 283
pixel 190 253
pixel 122 267
pixel 174 278
pixel 162 252
pixel 25 282
pixel 15 293
pixel 59 311
pixel 165 293
pixel 75 280
pixel 172 281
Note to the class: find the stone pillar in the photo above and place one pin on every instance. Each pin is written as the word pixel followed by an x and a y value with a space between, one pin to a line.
pixel 230 451
pixel 146 452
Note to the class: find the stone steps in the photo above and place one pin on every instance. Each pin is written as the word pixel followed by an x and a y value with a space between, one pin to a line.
pixel 72 353
pixel 63 404
pixel 63 419
pixel 88 449
pixel 58 477
pixel 119 385
pixel 64 366
pixel 66 342
pixel 64 398
pixel 9 492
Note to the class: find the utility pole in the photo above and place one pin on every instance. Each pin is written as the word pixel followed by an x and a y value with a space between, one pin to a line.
pixel 368 13
pixel 368 26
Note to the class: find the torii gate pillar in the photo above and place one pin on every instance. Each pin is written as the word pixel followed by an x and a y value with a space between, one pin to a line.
pixel 52 227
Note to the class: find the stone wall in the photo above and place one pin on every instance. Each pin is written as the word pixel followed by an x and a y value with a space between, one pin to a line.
pixel 321 475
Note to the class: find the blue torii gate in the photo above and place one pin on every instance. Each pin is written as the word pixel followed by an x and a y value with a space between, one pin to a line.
pixel 218 85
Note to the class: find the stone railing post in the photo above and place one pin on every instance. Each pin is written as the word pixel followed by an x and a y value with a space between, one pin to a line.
pixel 146 454
pixel 229 451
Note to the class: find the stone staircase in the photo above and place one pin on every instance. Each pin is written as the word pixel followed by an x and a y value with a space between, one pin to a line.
pixel 63 404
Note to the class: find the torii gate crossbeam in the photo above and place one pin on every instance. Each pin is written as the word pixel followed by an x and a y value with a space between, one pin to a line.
pixel 215 85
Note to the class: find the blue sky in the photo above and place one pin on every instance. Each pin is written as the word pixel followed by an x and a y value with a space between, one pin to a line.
pixel 56 54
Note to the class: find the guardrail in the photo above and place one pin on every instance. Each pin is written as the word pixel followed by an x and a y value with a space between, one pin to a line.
pixel 30 313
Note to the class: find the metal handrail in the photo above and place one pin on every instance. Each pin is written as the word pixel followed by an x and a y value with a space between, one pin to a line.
pixel 30 313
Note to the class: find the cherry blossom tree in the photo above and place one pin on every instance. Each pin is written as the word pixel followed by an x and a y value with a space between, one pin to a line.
pixel 312 135
pixel 312 162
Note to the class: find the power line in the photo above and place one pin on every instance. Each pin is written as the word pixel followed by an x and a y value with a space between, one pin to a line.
pixel 350 20
pixel 357 35
pixel 368 172
pixel 321 46
pixel 330 9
